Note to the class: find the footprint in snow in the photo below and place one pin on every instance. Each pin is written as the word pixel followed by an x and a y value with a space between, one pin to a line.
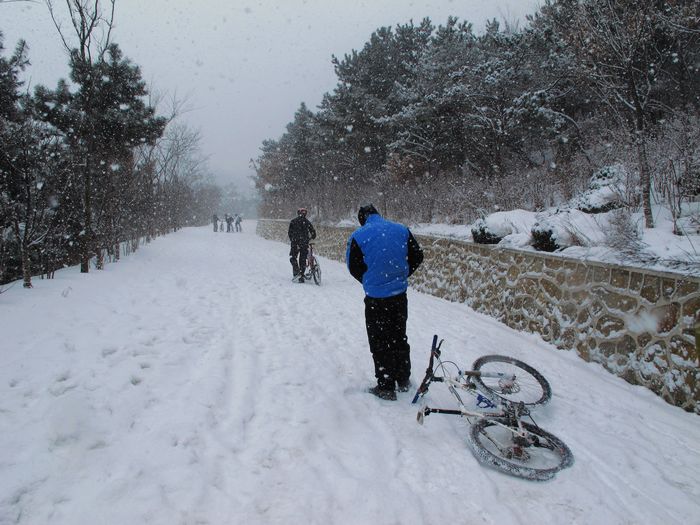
pixel 108 351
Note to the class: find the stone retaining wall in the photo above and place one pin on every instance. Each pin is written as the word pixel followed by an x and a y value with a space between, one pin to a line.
pixel 639 324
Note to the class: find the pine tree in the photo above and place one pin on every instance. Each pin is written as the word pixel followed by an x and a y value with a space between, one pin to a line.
pixel 102 120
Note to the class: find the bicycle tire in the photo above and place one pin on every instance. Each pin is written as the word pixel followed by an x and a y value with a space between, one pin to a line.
pixel 530 387
pixel 538 462
pixel 316 273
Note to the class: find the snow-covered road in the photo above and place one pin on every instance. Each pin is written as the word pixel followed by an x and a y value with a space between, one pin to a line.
pixel 194 383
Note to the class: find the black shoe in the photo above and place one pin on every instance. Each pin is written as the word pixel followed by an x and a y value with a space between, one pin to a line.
pixel 381 393
pixel 301 279
pixel 404 386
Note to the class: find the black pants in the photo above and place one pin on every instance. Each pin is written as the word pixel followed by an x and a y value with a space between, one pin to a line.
pixel 386 331
pixel 297 256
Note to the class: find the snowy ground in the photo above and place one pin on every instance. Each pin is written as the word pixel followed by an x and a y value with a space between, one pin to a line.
pixel 192 382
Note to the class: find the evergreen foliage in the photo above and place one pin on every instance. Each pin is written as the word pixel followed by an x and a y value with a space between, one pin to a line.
pixel 87 170
pixel 439 123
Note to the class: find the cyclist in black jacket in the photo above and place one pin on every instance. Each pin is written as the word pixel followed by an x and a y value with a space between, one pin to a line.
pixel 301 231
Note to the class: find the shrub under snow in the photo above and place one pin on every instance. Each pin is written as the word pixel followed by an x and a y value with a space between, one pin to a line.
pixel 497 226
pixel 565 228
pixel 605 191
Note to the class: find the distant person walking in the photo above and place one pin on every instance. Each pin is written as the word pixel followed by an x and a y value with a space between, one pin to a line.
pixel 238 221
pixel 229 222
pixel 301 231
pixel 382 255
pixel 215 219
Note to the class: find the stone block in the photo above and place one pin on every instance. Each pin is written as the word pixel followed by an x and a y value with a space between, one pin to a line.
pixel 685 288
pixel 667 316
pixel 607 348
pixel 601 274
pixel 626 346
pixel 682 348
pixel 583 351
pixel 568 312
pixel 651 289
pixel 583 317
pixel 550 289
pixel 644 339
pixel 608 325
pixel 620 278
pixel 576 277
pixel 567 339
pixel 553 263
pixel 691 308
pixel 668 288
pixel 636 281
pixel 513 273
pixel 596 308
pixel 536 265
pixel 618 302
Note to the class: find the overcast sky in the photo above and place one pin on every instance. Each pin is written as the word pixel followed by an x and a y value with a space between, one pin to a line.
pixel 245 66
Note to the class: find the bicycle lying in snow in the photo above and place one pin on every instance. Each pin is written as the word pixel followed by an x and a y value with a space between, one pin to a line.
pixel 506 389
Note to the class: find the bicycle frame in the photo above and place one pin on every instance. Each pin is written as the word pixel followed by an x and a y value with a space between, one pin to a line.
pixel 313 268
pixel 310 258
pixel 508 411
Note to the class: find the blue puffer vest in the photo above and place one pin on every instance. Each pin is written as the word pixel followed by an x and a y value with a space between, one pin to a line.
pixel 384 245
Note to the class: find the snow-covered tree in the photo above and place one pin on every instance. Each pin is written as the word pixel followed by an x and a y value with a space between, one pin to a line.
pixel 639 58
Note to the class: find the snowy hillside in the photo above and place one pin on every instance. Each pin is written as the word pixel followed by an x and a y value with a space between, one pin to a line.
pixel 588 236
pixel 193 382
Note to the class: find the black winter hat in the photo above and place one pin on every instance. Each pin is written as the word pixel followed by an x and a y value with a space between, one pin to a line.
pixel 366 211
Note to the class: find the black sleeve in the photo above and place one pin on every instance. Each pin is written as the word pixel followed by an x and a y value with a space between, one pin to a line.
pixel 415 254
pixel 289 232
pixel 312 232
pixel 356 264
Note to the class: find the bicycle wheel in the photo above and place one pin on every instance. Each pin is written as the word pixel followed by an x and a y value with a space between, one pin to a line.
pixel 316 273
pixel 536 456
pixel 529 387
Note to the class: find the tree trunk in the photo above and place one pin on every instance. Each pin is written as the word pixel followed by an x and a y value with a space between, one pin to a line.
pixel 697 337
pixel 640 142
pixel 644 178
pixel 86 239
pixel 100 259
pixel 26 269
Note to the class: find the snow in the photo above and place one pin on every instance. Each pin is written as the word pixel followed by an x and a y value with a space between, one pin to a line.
pixel 504 223
pixel 193 382
pixel 587 227
pixel 583 235
pixel 574 228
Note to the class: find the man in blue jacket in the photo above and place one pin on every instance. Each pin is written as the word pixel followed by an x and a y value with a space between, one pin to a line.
pixel 382 255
